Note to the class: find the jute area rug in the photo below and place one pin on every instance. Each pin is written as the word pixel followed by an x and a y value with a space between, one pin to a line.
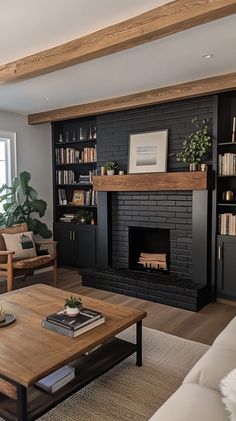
pixel 128 392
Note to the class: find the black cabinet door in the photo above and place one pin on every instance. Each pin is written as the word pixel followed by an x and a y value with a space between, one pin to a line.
pixel 85 246
pixel 64 234
pixel 226 266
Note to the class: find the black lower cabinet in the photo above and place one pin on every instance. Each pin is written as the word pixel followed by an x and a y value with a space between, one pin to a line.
pixel 226 266
pixel 76 244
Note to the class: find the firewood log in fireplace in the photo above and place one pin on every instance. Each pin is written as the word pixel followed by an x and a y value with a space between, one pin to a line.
pixel 153 260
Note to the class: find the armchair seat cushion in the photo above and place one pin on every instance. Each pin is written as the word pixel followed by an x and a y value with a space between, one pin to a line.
pixel 32 263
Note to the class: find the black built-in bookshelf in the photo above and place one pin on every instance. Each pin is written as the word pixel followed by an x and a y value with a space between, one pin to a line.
pixel 225 155
pixel 74 165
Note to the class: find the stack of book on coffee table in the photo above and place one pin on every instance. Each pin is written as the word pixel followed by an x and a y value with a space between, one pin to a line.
pixel 73 326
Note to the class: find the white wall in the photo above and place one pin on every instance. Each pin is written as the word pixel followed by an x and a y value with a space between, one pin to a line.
pixel 34 154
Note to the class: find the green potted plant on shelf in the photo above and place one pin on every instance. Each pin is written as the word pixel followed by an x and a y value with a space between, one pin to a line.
pixel 195 145
pixel 84 216
pixel 21 204
pixel 73 306
pixel 110 167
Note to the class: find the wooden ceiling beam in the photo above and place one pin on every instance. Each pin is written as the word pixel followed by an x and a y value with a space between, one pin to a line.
pixel 195 88
pixel 162 21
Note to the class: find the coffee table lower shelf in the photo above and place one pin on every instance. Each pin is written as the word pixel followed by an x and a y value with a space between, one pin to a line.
pixel 88 368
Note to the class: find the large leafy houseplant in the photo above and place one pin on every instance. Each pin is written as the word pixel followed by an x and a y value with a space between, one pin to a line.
pixel 20 204
pixel 196 144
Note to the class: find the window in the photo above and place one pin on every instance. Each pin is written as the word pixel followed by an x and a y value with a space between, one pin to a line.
pixel 8 168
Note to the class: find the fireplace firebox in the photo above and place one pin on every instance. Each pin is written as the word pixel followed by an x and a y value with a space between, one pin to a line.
pixel 149 249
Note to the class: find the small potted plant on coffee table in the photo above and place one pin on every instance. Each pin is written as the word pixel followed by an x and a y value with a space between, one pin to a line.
pixel 73 306
pixel 110 167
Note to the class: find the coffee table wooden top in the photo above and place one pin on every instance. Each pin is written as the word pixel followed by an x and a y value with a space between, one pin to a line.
pixel 29 352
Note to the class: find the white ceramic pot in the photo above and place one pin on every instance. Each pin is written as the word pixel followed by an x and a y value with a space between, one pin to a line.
pixel 72 312
pixel 110 172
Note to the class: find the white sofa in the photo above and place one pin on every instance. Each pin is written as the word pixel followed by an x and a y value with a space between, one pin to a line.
pixel 199 397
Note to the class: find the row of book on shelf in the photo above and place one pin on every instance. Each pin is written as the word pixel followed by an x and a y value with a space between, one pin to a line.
pixel 72 327
pixel 227 224
pixel 79 198
pixel 69 177
pixel 75 156
pixel 227 164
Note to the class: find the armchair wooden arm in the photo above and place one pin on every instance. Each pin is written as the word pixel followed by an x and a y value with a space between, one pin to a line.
pixel 6 252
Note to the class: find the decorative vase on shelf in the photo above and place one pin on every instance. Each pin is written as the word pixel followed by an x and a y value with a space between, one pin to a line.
pixel 203 167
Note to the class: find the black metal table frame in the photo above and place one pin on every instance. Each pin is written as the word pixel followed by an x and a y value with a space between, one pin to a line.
pixel 22 390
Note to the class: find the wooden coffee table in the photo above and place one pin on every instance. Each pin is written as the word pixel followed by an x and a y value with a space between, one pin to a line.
pixel 28 352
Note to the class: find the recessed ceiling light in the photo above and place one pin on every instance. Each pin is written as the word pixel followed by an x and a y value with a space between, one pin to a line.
pixel 46 98
pixel 207 56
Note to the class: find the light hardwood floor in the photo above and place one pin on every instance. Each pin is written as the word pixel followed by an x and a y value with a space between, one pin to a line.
pixel 203 326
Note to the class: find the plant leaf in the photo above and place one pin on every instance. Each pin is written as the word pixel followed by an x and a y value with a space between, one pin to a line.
pixel 39 206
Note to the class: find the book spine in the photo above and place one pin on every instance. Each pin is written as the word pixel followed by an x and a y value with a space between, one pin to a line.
pixel 57 329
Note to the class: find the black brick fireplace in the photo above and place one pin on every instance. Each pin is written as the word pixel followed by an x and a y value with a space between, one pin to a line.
pixel 183 214
pixel 170 211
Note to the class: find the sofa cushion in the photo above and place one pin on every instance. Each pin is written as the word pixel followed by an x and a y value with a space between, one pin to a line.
pixel 215 364
pixel 21 243
pixel 192 402
pixel 227 337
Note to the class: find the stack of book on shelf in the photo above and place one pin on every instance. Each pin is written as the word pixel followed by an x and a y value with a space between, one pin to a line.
pixel 227 224
pixel 73 326
pixel 65 177
pixel 67 217
pixel 84 179
pixel 62 200
pixel 89 155
pixel 227 164
pixel 65 155
pixel 57 379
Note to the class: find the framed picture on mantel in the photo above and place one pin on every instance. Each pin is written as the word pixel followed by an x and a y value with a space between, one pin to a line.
pixel 148 152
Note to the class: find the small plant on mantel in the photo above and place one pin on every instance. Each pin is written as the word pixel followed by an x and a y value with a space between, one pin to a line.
pixel 73 306
pixel 195 145
pixel 110 167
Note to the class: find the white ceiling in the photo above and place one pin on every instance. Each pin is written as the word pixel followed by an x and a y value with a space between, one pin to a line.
pixel 37 25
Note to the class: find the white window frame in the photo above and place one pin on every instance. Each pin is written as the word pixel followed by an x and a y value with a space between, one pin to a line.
pixel 9 139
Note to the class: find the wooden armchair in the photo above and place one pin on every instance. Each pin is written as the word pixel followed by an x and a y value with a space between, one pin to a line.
pixel 26 267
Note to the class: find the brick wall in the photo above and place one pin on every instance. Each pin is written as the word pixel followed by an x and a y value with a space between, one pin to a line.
pixel 171 210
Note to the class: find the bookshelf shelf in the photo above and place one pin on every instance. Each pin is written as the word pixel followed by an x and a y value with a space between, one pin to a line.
pixel 227 204
pixel 227 144
pixel 76 206
pixel 226 175
pixel 76 164
pixel 74 185
pixel 74 142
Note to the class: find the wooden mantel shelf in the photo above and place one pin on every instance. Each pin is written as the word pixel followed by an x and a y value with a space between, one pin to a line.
pixel 154 181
